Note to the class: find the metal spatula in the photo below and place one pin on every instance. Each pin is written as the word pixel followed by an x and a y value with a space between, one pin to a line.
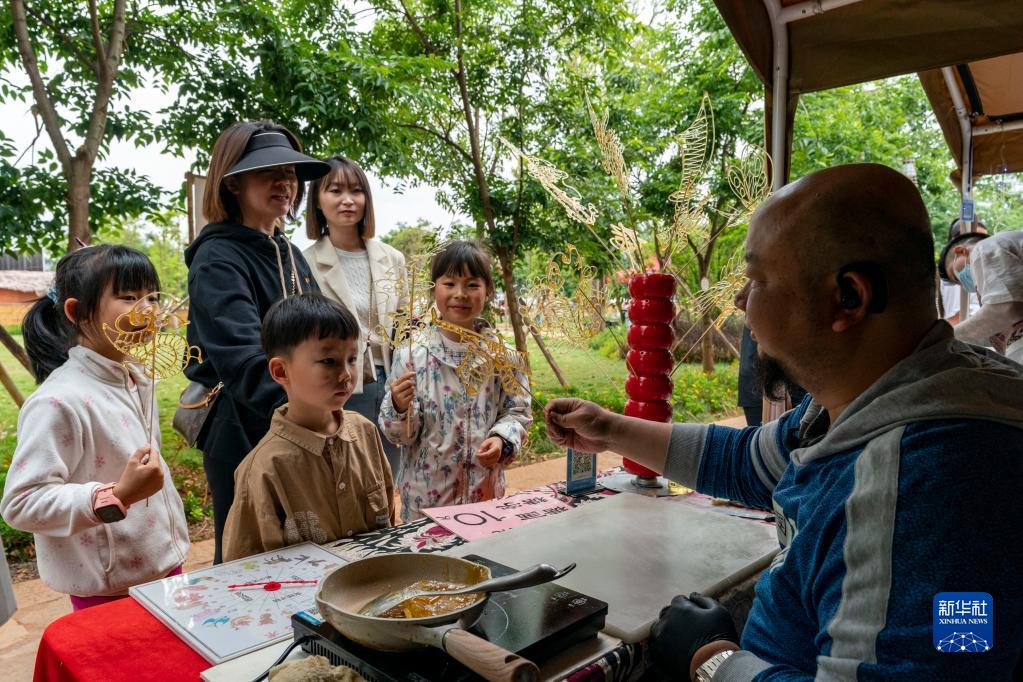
pixel 534 575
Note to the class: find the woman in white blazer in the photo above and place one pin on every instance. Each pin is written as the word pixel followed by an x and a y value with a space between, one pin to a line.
pixel 361 272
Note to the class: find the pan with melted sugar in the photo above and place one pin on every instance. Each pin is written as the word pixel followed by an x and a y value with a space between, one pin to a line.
pixel 437 605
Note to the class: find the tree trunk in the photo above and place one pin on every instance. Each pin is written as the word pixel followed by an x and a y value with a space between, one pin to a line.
pixel 547 354
pixel 78 197
pixel 512 297
pixel 8 383
pixel 707 345
pixel 17 351
pixel 728 344
pixel 706 338
pixel 472 125
pixel 78 168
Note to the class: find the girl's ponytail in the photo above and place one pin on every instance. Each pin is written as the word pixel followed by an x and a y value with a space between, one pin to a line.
pixel 47 334
pixel 83 275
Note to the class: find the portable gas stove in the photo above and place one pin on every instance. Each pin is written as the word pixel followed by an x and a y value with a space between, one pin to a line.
pixel 534 622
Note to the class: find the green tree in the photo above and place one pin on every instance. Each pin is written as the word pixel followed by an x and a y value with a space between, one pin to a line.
pixel 652 93
pixel 300 63
pixel 999 201
pixel 412 240
pixel 491 65
pixel 890 122
pixel 699 56
pixel 884 122
pixel 162 239
pixel 422 95
pixel 82 60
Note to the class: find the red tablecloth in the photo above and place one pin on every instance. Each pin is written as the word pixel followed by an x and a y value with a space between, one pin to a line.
pixel 115 641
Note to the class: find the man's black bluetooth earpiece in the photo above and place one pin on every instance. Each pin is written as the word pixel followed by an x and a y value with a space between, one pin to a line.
pixel 849 298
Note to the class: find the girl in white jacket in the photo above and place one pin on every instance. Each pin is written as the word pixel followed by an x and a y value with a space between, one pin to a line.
pixel 83 460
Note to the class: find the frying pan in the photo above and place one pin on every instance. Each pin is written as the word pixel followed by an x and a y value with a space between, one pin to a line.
pixel 342 593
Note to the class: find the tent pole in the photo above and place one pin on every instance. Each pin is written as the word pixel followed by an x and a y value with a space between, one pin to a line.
pixel 999 127
pixel 780 90
pixel 966 170
pixel 780 18
pixel 812 8
pixel 772 409
pixel 966 131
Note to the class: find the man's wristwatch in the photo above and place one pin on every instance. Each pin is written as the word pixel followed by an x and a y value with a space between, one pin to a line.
pixel 705 673
pixel 107 507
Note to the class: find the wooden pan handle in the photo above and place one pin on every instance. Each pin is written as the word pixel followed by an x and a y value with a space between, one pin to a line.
pixel 488 660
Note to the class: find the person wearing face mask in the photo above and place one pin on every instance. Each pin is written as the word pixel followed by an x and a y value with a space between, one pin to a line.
pixel 990 266
pixel 239 266
pixel 358 271
pixel 951 294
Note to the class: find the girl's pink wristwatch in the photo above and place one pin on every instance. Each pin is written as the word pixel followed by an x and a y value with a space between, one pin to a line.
pixel 107 507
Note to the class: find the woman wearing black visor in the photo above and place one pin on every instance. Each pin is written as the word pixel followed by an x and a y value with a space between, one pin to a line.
pixel 240 264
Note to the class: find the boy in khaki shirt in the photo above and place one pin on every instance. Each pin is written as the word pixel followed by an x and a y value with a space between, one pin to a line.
pixel 320 473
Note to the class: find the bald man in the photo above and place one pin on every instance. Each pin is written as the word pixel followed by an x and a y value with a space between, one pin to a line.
pixel 895 481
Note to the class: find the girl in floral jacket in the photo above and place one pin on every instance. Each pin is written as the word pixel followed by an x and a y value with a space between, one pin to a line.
pixel 456 446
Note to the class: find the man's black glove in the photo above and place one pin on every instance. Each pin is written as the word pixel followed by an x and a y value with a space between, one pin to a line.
pixel 685 626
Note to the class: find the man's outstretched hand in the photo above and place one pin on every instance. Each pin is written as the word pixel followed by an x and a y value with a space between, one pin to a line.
pixel 578 424
pixel 686 625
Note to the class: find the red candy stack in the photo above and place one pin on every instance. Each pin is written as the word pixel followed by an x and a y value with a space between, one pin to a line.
pixel 651 337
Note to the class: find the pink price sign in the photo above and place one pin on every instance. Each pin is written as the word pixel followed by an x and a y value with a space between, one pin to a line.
pixel 480 519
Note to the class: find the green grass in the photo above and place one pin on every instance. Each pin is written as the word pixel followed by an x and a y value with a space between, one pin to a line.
pixel 596 375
